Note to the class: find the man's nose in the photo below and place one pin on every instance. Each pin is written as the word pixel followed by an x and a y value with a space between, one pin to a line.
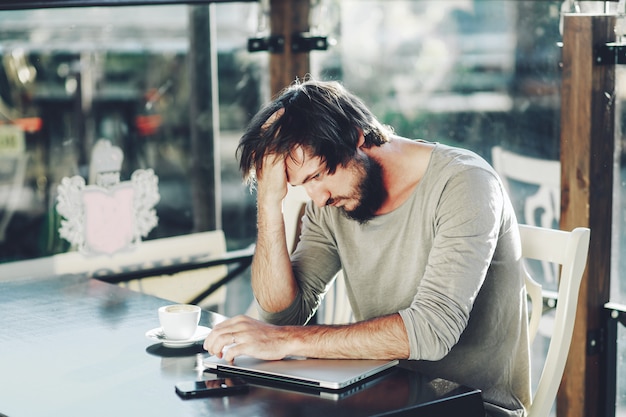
pixel 318 194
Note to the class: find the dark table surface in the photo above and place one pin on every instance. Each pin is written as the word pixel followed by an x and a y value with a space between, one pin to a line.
pixel 71 346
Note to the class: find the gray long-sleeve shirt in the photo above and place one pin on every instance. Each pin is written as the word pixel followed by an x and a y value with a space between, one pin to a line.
pixel 448 261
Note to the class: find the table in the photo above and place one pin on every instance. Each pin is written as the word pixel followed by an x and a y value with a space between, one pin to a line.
pixel 71 346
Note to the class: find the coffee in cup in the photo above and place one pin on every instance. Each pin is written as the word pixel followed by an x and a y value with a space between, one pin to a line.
pixel 179 321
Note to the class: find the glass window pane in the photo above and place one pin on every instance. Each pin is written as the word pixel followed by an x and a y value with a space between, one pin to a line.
pixel 69 77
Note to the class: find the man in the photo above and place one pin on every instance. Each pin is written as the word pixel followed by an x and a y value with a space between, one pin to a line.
pixel 424 233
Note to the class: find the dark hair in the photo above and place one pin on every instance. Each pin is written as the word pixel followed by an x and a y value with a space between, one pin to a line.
pixel 320 116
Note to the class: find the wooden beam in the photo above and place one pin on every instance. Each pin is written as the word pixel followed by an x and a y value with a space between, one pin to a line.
pixel 204 120
pixel 587 166
pixel 286 18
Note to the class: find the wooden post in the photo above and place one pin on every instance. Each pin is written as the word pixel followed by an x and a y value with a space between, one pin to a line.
pixel 204 121
pixel 587 167
pixel 286 18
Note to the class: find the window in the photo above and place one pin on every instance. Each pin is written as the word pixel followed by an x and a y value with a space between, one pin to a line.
pixel 72 76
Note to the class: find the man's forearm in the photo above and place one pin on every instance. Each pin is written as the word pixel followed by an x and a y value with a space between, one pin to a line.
pixel 379 338
pixel 273 282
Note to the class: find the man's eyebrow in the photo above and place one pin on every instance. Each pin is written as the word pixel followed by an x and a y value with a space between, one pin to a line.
pixel 310 176
pixel 307 178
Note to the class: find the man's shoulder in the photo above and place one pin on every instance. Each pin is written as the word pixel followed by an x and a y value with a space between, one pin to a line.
pixel 458 159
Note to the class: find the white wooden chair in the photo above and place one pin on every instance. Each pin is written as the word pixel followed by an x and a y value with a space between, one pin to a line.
pixel 543 208
pixel 569 251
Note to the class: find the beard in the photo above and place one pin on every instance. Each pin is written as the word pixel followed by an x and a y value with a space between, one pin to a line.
pixel 371 190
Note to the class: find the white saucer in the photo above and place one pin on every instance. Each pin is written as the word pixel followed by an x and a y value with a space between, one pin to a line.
pixel 158 335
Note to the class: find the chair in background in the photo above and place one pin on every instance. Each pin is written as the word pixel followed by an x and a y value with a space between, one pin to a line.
pixel 184 269
pixel 543 207
pixel 568 250
pixel 192 269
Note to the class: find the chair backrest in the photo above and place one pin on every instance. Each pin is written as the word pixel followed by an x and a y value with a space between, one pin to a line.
pixel 569 250
pixel 540 208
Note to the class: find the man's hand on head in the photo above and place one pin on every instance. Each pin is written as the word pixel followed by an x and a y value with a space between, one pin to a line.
pixel 272 179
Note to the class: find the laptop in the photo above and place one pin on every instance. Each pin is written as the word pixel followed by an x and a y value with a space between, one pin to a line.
pixel 330 374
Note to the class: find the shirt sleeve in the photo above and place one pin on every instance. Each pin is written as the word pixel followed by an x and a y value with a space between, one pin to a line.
pixel 466 228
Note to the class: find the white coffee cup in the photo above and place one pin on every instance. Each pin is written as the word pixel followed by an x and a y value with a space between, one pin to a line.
pixel 179 321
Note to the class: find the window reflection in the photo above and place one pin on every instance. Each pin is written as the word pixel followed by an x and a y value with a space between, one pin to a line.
pixel 72 76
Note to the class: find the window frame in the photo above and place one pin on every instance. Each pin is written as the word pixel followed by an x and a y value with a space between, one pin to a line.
pixel 45 4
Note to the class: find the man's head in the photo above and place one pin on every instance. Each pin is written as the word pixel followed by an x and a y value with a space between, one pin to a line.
pixel 320 117
pixel 357 188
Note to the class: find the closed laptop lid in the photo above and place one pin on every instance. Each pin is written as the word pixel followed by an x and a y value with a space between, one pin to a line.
pixel 329 374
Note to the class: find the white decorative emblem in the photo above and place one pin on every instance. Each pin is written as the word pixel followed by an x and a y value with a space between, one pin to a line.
pixel 109 216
